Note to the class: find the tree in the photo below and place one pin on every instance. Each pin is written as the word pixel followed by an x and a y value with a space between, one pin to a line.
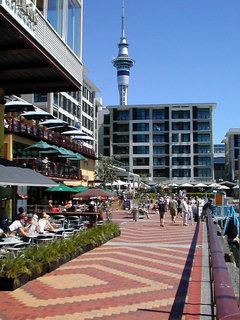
pixel 106 170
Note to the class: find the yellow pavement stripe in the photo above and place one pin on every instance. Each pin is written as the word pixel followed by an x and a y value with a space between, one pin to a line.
pixel 104 312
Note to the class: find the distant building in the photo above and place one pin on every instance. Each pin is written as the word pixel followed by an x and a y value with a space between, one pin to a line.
pixel 163 142
pixel 232 153
pixel 219 162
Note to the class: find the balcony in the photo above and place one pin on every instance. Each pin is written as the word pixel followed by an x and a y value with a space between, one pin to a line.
pixel 35 132
pixel 52 169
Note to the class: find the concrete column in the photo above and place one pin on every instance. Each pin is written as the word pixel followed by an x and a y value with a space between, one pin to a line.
pixel 2 108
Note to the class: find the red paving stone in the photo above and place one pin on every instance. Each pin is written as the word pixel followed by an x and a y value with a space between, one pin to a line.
pixel 133 277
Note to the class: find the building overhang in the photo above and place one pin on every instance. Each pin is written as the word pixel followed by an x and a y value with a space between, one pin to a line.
pixel 34 59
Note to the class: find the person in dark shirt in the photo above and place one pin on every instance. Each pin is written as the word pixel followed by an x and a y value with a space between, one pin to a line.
pixel 207 207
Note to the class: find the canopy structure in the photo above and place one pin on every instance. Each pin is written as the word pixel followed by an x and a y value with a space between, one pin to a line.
pixel 236 187
pixel 214 185
pixel 17 176
pixel 41 145
pixel 53 122
pixel 223 187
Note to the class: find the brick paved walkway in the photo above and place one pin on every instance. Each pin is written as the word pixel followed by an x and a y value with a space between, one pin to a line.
pixel 147 273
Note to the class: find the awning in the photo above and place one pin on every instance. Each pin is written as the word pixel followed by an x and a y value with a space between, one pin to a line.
pixel 17 176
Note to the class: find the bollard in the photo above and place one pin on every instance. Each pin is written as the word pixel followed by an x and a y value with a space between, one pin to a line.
pixel 135 213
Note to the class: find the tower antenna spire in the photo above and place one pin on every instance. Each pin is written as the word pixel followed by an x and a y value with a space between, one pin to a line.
pixel 123 19
pixel 123 63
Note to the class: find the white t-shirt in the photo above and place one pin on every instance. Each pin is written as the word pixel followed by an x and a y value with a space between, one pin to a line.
pixel 15 225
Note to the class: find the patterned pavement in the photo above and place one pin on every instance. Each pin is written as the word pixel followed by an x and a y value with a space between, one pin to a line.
pixel 147 273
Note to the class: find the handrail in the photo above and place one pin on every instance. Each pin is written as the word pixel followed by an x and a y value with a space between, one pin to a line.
pixel 225 300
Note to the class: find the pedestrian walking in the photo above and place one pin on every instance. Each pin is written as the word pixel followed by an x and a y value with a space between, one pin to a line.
pixel 185 211
pixel 162 207
pixel 173 205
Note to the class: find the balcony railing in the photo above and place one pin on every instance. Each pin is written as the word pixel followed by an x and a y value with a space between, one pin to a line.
pixel 51 169
pixel 22 127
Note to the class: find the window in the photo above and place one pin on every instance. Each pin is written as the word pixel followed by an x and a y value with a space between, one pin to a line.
pixel 175 137
pixel 40 97
pixel 120 138
pixel 159 127
pixel 140 126
pixel 204 172
pixel 140 114
pixel 74 26
pixel 106 130
pixel 140 138
pixel 141 161
pixel 203 149
pixel 120 150
pixel 140 150
pixel 184 114
pixel 159 150
pixel 117 127
pixel 158 138
pixel 203 138
pixel 180 149
pixel 121 115
pixel 159 173
pixel 55 15
pixel 185 137
pixel 181 173
pixel 201 126
pixel 181 161
pixel 203 114
pixel 158 114
pixel 159 161
pixel 106 118
pixel 181 126
pixel 204 161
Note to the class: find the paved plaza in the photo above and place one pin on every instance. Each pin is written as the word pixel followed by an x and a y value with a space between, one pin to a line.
pixel 147 273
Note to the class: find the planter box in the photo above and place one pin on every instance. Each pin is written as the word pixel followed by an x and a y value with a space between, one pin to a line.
pixel 10 284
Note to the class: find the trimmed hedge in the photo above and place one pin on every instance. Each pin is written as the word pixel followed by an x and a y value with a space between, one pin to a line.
pixel 34 261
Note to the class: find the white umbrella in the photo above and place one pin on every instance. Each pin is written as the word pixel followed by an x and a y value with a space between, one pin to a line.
pixel 38 114
pixel 18 106
pixel 224 188
pixel 53 122
pixel 200 185
pixel 186 185
pixel 214 185
pixel 74 133
pixel 173 185
pixel 236 187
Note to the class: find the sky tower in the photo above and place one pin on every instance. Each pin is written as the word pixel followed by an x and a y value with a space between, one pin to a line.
pixel 123 64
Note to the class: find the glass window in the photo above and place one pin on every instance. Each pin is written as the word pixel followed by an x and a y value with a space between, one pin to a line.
pixel 203 138
pixel 203 149
pixel 118 127
pixel 106 130
pixel 159 150
pixel 175 137
pixel 140 126
pixel 140 114
pixel 140 138
pixel 120 138
pixel 203 126
pixel 159 173
pixel 184 114
pixel 40 97
pixel 185 137
pixel 121 115
pixel 159 138
pixel 74 26
pixel 106 118
pixel 181 173
pixel 159 161
pixel 181 161
pixel 158 114
pixel 204 172
pixel 203 114
pixel 181 126
pixel 180 149
pixel 120 149
pixel 204 161
pixel 55 15
pixel 141 161
pixel 140 150
pixel 159 127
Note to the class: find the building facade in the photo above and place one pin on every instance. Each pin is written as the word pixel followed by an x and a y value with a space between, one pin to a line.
pixel 232 153
pixel 219 162
pixel 167 143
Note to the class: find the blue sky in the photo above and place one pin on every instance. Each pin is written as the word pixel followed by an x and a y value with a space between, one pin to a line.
pixel 186 51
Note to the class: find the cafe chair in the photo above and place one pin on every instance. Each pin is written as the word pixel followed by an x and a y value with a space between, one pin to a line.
pixel 73 222
pixel 59 220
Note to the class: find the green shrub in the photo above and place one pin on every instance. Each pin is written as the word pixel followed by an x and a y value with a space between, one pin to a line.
pixel 33 258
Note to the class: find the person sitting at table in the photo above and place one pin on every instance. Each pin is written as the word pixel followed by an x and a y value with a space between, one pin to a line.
pixel 32 225
pixel 70 207
pixel 44 224
pixel 17 227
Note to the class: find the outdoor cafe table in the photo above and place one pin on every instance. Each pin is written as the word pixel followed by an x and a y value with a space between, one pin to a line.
pixel 93 215
pixel 10 241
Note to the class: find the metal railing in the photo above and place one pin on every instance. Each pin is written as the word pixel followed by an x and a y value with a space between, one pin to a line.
pixel 224 298
pixel 22 127
pixel 51 169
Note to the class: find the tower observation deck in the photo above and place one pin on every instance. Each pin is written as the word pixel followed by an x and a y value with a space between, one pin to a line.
pixel 123 63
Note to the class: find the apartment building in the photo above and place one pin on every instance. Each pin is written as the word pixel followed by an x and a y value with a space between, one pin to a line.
pixel 232 154
pixel 167 143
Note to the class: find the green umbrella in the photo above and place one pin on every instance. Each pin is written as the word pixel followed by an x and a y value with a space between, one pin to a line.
pixel 79 189
pixel 60 188
pixel 41 145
